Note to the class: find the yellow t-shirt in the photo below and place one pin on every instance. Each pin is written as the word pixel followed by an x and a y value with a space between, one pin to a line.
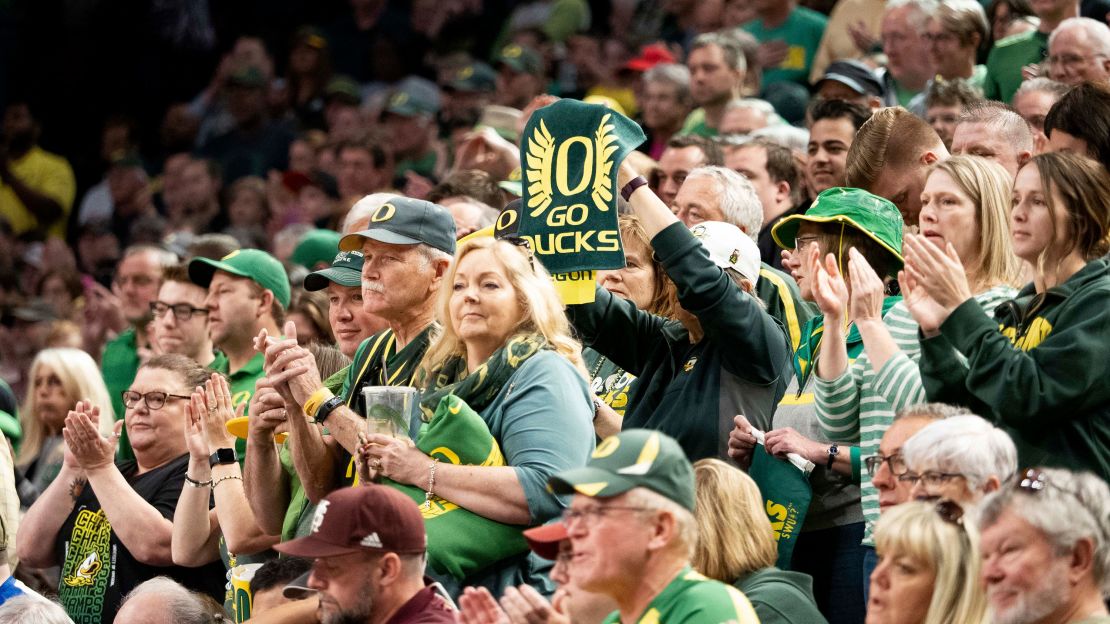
pixel 48 174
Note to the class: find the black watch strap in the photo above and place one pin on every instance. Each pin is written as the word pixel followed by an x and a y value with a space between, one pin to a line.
pixel 324 410
pixel 222 456
pixel 834 450
pixel 632 185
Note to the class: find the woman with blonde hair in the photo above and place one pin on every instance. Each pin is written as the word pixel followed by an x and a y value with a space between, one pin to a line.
pixel 504 350
pixel 928 571
pixel 736 545
pixel 59 379
pixel 965 207
pixel 1049 339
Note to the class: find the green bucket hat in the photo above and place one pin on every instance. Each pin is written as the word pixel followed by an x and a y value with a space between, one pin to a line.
pixel 632 458
pixel 315 247
pixel 345 270
pixel 875 217
pixel 253 264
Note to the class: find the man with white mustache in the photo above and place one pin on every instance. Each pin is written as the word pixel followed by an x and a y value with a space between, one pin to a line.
pixel 407 247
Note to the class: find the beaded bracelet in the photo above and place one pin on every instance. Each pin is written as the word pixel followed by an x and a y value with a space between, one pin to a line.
pixel 431 483
pixel 222 479
pixel 197 484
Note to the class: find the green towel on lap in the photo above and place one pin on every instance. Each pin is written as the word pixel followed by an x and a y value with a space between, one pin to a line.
pixel 461 542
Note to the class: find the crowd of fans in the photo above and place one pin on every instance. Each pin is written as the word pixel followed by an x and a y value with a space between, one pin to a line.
pixel 829 384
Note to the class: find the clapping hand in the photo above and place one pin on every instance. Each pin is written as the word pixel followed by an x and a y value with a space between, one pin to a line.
pixel 939 272
pixel 478 606
pixel 868 290
pixel 85 447
pixel 829 290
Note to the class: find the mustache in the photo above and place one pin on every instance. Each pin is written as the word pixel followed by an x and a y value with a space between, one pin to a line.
pixel 373 286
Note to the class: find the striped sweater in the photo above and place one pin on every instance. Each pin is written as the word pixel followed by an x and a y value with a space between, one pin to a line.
pixel 859 405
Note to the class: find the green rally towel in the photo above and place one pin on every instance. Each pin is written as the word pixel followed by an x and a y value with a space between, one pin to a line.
pixel 571 152
pixel 461 542
pixel 786 496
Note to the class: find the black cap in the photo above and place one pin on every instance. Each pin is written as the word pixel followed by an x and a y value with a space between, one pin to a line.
pixel 856 76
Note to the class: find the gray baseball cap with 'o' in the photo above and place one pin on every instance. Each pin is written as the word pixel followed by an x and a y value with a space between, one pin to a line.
pixel 407 221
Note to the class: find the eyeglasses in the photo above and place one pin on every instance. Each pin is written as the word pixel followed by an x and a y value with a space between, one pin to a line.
pixel 1071 60
pixel 154 400
pixel 802 242
pixel 894 463
pixel 931 479
pixel 181 311
pixel 950 511
pixel 594 513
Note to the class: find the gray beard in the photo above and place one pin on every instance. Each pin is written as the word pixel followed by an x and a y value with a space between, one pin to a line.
pixel 1036 605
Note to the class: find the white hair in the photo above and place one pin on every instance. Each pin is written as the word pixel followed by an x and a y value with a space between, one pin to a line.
pixel 1053 510
pixel 792 138
pixel 28 609
pixel 1098 33
pixel 919 16
pixel 738 200
pixel 686 527
pixel 964 444
pixel 363 208
pixel 756 104
pixel 186 607
pixel 674 74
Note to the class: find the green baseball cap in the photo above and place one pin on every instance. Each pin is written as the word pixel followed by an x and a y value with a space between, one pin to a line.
pixel 344 89
pixel 521 58
pixel 473 78
pixel 632 458
pixel 315 247
pixel 407 221
pixel 875 216
pixel 414 96
pixel 253 264
pixel 345 270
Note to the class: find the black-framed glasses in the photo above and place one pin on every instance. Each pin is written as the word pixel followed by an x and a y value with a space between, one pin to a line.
pixel 930 478
pixel 950 511
pixel 181 311
pixel 154 400
pixel 894 463
pixel 593 513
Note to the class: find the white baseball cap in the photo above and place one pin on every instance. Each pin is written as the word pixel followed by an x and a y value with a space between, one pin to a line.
pixel 729 248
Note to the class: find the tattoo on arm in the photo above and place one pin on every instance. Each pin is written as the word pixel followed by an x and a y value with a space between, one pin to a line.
pixel 76 487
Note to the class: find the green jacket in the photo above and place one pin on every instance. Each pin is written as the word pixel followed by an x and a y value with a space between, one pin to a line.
pixel 1006 59
pixel 692 391
pixel 1038 369
pixel 784 302
pixel 118 364
pixel 781 596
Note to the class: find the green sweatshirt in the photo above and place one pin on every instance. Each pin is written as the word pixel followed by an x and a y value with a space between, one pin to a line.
pixel 1006 59
pixel 780 596
pixel 1038 369
pixel 692 391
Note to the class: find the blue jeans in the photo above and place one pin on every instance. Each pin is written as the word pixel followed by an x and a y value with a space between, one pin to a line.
pixel 834 558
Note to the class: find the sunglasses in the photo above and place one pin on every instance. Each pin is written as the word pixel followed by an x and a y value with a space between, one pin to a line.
pixel 950 511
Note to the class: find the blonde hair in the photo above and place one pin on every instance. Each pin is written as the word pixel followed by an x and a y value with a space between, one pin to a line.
pixel 81 380
pixel 892 138
pixel 542 309
pixel 664 295
pixel 988 185
pixel 916 530
pixel 734 535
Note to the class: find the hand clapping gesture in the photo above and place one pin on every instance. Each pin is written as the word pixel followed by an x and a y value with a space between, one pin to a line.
pixel 86 449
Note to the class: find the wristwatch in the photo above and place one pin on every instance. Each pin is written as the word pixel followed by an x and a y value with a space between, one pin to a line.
pixel 222 456
pixel 833 451
pixel 324 410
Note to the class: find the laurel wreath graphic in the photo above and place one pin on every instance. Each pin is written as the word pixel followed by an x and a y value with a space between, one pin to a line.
pixel 604 147
pixel 541 157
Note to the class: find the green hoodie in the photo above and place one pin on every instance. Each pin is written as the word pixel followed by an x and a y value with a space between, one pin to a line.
pixel 1038 369
pixel 780 596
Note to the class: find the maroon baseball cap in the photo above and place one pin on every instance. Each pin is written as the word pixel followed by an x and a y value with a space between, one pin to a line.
pixel 544 540
pixel 373 517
